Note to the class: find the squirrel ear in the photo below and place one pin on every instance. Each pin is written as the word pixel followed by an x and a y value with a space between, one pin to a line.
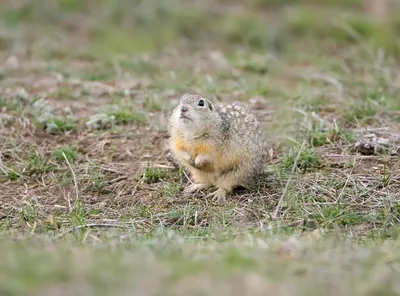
pixel 210 105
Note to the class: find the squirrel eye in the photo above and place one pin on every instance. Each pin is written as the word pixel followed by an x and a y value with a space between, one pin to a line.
pixel 200 103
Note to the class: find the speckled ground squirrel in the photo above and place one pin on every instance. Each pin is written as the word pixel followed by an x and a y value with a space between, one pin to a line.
pixel 221 146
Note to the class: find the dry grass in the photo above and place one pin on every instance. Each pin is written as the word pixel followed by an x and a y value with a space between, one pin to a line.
pixel 326 94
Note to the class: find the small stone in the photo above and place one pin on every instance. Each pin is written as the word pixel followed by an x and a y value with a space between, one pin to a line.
pixel 258 103
pixel 100 121
pixel 52 128
pixel 6 120
pixel 12 62
pixel 22 94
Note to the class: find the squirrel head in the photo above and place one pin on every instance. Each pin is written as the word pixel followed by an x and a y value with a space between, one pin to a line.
pixel 194 115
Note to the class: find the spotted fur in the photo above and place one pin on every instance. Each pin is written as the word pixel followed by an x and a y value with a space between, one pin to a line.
pixel 220 145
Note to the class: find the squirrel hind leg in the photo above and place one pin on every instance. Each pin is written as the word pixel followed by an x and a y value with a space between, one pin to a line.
pixel 219 196
pixel 201 181
pixel 196 187
pixel 201 177
pixel 229 181
pixel 225 185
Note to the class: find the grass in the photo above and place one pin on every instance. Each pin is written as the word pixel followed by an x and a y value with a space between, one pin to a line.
pixel 303 159
pixel 68 153
pixel 38 164
pixel 11 174
pixel 152 175
pixel 124 116
pixel 173 265
pixel 90 203
pixel 341 3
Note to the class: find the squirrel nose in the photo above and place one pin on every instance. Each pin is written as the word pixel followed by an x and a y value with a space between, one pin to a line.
pixel 184 108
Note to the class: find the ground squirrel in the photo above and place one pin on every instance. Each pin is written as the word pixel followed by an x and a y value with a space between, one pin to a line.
pixel 220 146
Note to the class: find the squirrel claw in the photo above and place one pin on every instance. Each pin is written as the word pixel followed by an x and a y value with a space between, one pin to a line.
pixel 218 196
pixel 196 187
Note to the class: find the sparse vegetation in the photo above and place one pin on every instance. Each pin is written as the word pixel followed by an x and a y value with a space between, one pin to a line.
pixel 10 174
pixel 171 189
pixel 38 164
pixel 89 203
pixel 152 175
pixel 55 125
pixel 124 115
pixel 68 153
pixel 304 159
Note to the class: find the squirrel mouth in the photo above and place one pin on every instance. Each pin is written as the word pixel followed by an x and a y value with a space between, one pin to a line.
pixel 185 117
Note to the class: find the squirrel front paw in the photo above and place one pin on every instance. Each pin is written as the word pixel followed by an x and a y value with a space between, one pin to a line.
pixel 187 157
pixel 201 161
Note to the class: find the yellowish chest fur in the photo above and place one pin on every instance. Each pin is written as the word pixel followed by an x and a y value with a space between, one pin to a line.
pixel 220 158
